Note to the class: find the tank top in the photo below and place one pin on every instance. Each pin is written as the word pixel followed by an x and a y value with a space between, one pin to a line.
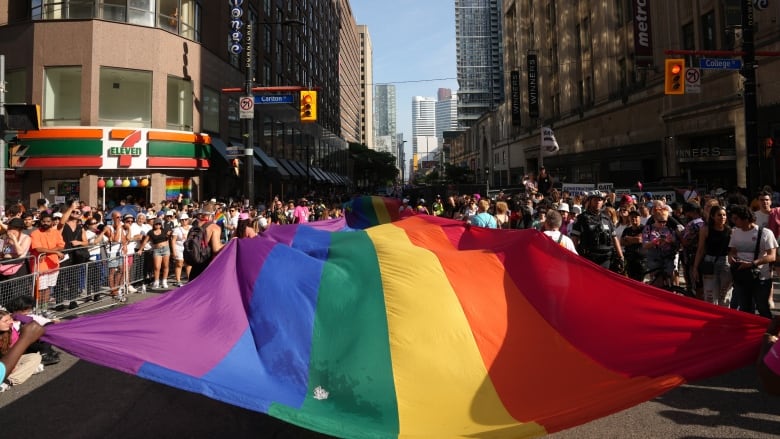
pixel 717 242
pixel 157 239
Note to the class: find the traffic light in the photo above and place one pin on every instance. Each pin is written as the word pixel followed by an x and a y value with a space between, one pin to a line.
pixel 16 152
pixel 308 106
pixel 674 82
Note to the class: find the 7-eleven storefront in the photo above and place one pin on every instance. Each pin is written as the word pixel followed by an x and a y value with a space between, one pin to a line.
pixel 104 166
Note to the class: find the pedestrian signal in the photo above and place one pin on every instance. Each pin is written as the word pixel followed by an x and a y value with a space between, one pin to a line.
pixel 308 106
pixel 674 82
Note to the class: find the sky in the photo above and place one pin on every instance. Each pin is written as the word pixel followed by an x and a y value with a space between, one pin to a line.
pixel 414 48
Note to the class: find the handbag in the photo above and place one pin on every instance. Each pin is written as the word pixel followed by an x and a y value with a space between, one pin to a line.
pixel 708 266
pixel 750 275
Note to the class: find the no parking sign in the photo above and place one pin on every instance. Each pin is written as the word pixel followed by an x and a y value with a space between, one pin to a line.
pixel 692 80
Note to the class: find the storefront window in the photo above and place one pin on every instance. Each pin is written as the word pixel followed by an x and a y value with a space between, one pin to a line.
pixel 179 104
pixel 62 96
pixel 125 98
pixel 210 112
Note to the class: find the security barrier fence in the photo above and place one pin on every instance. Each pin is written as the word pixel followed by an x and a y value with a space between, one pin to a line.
pixel 101 282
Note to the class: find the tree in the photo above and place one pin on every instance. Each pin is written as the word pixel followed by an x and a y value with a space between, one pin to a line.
pixel 372 168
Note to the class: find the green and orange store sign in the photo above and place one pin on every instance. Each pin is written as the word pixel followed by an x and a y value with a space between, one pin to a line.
pixel 109 148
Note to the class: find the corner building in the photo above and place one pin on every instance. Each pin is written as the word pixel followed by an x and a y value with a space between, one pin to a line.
pixel 594 72
pixel 134 92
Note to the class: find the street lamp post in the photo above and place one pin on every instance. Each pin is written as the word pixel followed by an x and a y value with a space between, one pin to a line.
pixel 403 163
pixel 249 148
pixel 487 181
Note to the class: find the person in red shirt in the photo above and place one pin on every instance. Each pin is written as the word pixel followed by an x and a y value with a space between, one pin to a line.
pixel 47 241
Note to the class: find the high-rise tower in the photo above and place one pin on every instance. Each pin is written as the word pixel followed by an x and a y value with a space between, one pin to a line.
pixel 478 36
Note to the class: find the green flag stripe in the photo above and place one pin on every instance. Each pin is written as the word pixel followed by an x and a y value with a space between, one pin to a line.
pixel 355 371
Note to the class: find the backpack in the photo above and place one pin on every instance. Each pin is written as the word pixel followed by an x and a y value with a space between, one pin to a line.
pixel 196 250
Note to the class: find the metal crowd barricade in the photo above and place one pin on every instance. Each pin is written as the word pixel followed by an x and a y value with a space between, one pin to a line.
pixel 100 283
pixel 23 285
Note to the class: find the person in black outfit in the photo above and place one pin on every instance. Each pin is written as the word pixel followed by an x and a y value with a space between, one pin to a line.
pixel 631 241
pixel 544 182
pixel 593 233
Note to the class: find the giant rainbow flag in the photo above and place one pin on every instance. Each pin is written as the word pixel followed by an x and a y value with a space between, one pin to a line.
pixel 419 328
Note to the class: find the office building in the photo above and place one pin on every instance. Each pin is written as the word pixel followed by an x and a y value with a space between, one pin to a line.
pixel 145 94
pixel 479 47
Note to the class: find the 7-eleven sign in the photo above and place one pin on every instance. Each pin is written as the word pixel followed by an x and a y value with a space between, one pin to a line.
pixel 127 150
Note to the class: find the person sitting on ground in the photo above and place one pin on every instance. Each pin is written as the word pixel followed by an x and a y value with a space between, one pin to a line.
pixel 23 306
pixel 26 364
pixel 28 334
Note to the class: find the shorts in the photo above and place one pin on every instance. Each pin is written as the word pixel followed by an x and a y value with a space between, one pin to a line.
pixel 116 261
pixel 48 279
pixel 161 251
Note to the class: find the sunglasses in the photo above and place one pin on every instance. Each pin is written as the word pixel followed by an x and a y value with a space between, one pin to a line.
pixel 75 212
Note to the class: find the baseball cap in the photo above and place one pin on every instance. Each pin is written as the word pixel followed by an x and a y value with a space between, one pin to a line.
pixel 184 216
pixel 170 213
pixel 648 195
pixel 128 216
pixel 57 215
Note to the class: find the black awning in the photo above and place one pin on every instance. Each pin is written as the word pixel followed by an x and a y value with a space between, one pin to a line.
pixel 284 163
pixel 299 167
pixel 321 175
pixel 267 161
pixel 218 145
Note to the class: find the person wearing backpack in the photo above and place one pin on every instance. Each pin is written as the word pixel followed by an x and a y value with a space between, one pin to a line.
pixel 203 241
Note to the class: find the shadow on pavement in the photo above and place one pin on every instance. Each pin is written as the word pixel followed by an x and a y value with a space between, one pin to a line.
pixel 90 401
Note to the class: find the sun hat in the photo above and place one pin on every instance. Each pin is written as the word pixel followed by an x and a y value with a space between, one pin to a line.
pixel 563 207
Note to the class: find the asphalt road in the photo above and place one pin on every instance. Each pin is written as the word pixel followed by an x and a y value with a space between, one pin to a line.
pixel 76 399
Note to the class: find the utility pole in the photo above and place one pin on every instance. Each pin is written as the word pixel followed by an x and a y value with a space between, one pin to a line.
pixel 249 147
pixel 749 98
pixel 3 149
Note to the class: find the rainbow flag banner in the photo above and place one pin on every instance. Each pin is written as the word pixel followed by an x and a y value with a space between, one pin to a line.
pixel 178 185
pixel 423 327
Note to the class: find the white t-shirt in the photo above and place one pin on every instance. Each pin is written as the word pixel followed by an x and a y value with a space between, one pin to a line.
pixel 762 219
pixel 135 230
pixel 565 241
pixel 180 234
pixel 745 243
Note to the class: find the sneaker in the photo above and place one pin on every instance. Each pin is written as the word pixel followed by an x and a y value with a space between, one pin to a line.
pixel 4 387
pixel 38 369
pixel 165 284
pixel 49 359
pixel 131 289
pixel 156 285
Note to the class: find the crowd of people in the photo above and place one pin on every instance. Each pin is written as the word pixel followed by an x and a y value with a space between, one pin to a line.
pixel 132 237
pixel 718 246
pixel 723 245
